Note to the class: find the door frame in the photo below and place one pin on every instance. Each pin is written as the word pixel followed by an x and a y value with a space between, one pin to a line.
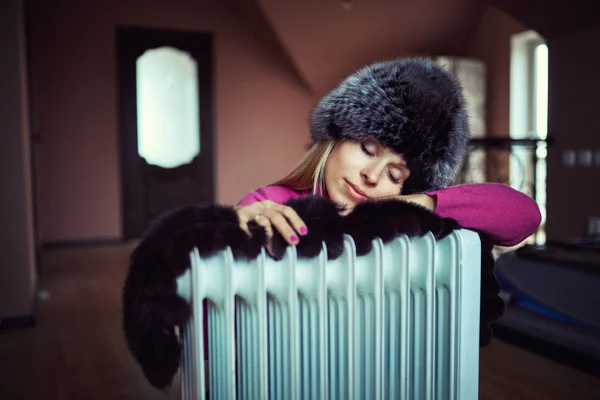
pixel 131 42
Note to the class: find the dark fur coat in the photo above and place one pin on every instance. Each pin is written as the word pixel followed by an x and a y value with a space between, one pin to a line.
pixel 152 308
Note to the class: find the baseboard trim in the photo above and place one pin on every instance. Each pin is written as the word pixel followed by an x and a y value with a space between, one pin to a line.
pixel 101 242
pixel 17 322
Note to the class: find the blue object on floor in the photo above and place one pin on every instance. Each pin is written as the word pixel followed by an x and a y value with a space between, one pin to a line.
pixel 521 300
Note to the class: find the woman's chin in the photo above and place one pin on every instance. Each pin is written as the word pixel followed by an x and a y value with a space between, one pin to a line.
pixel 344 204
pixel 345 207
pixel 345 211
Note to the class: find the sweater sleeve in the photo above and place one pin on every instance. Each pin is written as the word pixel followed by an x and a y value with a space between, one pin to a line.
pixel 277 194
pixel 505 214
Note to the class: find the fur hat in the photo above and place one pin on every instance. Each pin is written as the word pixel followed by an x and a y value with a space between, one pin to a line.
pixel 411 105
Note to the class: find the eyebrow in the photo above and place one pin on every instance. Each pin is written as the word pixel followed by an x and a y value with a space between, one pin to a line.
pixel 401 164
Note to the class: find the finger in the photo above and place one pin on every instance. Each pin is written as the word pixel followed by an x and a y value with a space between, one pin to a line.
pixel 248 213
pixel 269 248
pixel 244 226
pixel 283 226
pixel 265 223
pixel 294 219
pixel 243 220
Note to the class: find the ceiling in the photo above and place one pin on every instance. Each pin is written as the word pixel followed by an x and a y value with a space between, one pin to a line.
pixel 320 41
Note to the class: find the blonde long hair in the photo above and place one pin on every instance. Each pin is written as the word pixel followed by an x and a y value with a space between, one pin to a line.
pixel 309 173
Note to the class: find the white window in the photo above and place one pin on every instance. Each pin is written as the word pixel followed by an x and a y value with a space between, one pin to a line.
pixel 529 119
pixel 167 107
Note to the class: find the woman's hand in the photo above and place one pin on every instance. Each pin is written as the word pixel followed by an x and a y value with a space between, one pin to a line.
pixel 269 215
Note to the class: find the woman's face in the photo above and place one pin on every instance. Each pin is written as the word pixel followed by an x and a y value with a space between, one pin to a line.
pixel 358 170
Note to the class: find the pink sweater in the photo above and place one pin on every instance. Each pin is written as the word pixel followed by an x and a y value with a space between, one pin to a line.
pixel 505 214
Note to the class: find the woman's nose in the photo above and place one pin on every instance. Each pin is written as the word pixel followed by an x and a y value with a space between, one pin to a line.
pixel 370 176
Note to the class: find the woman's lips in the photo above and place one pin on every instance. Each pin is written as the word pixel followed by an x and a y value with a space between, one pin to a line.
pixel 355 192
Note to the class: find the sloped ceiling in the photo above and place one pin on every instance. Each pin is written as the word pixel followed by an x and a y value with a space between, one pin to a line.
pixel 322 41
pixel 250 13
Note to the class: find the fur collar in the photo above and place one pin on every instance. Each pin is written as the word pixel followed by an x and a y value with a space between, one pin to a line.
pixel 152 308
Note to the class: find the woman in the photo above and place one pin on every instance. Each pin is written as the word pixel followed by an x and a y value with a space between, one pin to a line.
pixel 393 129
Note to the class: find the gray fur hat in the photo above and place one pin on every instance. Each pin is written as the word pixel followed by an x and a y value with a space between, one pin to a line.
pixel 411 105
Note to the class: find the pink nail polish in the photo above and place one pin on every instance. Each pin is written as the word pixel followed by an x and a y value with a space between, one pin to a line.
pixel 293 238
pixel 303 230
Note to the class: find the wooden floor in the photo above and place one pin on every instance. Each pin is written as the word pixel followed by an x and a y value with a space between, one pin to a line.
pixel 77 350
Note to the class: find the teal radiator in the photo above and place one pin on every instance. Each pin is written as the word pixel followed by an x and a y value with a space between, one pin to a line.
pixel 401 322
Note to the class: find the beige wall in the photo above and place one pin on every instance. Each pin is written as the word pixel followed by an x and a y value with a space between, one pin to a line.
pixel 260 120
pixel 17 268
pixel 574 101
pixel 491 44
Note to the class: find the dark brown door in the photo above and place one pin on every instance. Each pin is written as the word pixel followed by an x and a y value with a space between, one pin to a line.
pixel 149 187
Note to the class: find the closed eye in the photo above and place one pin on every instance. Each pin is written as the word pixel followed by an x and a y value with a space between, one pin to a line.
pixel 366 150
pixel 394 178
